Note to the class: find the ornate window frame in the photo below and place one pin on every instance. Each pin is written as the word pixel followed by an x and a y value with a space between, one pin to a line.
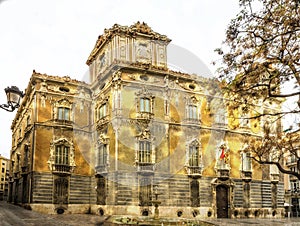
pixel 71 155
pixel 193 166
pixel 103 141
pixel 63 104
pixel 192 109
pixel 145 138
pixel 147 99
pixel 102 109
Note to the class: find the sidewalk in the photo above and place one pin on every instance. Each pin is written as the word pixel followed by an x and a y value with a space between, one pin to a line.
pixel 256 221
pixel 12 215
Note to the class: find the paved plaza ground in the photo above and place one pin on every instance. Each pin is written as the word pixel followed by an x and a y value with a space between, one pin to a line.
pixel 18 216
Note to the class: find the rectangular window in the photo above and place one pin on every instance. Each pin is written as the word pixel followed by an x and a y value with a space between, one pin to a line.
pixel 102 155
pixel 62 155
pixel 193 156
pixel 103 111
pixel 145 105
pixel 246 161
pixel 63 113
pixel 3 170
pixel 192 112
pixel 144 152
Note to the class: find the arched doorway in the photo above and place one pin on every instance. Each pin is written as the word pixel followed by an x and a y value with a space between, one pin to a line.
pixel 222 201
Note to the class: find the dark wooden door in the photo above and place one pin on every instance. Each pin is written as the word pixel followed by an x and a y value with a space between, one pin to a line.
pixel 222 201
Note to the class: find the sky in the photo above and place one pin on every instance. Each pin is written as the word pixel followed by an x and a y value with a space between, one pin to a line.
pixel 56 36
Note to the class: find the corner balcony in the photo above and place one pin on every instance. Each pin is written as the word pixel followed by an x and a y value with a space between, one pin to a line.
pixel 62 169
pixel 145 168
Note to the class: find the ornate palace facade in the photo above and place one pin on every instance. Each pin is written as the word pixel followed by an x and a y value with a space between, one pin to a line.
pixel 139 134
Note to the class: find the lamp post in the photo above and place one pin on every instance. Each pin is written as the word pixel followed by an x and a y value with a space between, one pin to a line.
pixel 14 96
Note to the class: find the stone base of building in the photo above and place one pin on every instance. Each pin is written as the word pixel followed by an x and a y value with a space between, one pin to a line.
pixel 258 213
pixel 164 211
pixel 60 209
pixel 186 212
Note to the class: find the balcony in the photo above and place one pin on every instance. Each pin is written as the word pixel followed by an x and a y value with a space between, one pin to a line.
pixel 195 121
pixel 101 169
pixel 223 174
pixel 144 116
pixel 194 171
pixel 61 169
pixel 102 121
pixel 25 169
pixel 246 176
pixel 145 168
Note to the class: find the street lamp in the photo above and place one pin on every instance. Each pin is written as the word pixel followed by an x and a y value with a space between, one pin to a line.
pixel 14 96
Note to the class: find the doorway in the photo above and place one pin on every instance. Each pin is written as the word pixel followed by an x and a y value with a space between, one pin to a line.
pixel 222 201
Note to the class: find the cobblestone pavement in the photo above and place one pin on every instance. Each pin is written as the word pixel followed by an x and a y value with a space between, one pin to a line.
pixel 17 216
pixel 256 221
pixel 12 215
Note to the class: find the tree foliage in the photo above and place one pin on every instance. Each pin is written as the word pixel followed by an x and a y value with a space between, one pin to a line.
pixel 260 66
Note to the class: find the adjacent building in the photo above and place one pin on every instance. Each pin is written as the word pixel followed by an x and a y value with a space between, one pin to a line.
pixel 4 175
pixel 292 191
pixel 138 134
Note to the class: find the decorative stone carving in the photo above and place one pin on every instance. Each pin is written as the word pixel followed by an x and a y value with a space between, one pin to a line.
pixel 222 156
pixel 66 142
pixel 143 53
